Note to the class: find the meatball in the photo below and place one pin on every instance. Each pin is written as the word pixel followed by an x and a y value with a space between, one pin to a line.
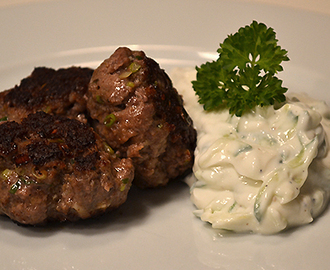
pixel 53 168
pixel 141 116
pixel 53 91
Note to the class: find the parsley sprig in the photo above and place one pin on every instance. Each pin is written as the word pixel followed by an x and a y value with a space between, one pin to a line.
pixel 244 74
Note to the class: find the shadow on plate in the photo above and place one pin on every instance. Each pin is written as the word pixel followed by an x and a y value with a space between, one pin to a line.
pixel 134 211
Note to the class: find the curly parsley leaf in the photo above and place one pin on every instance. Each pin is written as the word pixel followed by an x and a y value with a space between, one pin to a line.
pixel 244 74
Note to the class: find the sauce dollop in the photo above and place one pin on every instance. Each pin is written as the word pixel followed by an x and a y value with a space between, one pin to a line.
pixel 263 172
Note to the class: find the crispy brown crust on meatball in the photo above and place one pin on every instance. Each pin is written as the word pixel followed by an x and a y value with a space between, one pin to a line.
pixel 55 168
pixel 140 114
pixel 53 91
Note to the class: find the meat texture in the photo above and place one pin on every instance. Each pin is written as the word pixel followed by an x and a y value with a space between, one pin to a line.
pixel 53 168
pixel 141 116
pixel 53 91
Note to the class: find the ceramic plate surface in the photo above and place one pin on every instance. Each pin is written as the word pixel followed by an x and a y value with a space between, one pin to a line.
pixel 155 229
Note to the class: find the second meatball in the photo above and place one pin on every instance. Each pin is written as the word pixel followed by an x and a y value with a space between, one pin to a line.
pixel 141 115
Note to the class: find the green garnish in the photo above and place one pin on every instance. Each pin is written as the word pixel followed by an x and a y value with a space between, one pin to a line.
pixel 15 187
pixel 133 67
pixel 5 118
pixel 99 99
pixel 130 84
pixel 124 183
pixel 6 174
pixel 232 207
pixel 265 196
pixel 109 120
pixel 244 148
pixel 244 74
pixel 108 148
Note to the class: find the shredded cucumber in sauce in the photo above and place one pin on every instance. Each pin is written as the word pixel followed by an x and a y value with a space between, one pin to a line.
pixel 264 171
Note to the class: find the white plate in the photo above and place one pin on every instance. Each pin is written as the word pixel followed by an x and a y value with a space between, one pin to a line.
pixel 156 229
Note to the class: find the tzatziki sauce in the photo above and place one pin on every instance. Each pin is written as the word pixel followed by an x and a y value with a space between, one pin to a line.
pixel 263 172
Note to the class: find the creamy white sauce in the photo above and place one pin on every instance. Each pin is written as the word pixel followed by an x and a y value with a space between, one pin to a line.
pixel 263 172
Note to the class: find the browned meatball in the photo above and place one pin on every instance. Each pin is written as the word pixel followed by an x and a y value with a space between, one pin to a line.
pixel 141 116
pixel 53 168
pixel 53 91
